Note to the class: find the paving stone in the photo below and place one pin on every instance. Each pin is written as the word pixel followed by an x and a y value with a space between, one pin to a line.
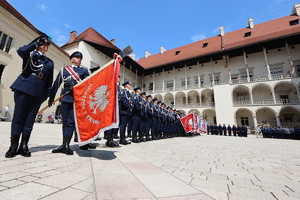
pixel 62 180
pixel 27 191
pixel 189 197
pixel 12 183
pixel 69 193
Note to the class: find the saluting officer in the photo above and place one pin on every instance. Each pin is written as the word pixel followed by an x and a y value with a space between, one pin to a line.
pixel 69 76
pixel 31 89
pixel 125 110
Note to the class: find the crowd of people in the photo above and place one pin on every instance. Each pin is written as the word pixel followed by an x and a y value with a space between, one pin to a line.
pixel 280 132
pixel 241 131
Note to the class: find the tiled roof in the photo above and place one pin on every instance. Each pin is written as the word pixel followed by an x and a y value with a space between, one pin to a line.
pixel 91 35
pixel 14 12
pixel 266 31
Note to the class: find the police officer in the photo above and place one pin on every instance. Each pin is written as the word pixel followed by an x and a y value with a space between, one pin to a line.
pixel 155 119
pixel 144 117
pixel 70 76
pixel 229 129
pixel 136 112
pixel 220 129
pixel 224 130
pixel 149 121
pixel 234 130
pixel 31 89
pixel 125 104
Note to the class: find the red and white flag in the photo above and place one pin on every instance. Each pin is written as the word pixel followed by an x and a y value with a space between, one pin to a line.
pixel 188 123
pixel 96 102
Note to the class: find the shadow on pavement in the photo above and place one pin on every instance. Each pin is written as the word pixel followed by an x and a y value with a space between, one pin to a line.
pixel 95 153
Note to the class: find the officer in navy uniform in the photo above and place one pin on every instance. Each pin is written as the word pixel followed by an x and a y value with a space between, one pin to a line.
pixel 149 121
pixel 234 130
pixel 136 112
pixel 229 130
pixel 155 119
pixel 31 89
pixel 144 117
pixel 125 104
pixel 69 79
pixel 220 129
pixel 224 130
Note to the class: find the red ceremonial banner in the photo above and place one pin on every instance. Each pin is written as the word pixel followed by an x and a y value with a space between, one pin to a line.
pixel 187 123
pixel 95 102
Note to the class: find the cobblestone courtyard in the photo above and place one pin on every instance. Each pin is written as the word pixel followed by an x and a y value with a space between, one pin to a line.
pixel 201 167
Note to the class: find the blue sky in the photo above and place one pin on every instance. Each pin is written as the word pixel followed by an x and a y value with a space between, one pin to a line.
pixel 146 25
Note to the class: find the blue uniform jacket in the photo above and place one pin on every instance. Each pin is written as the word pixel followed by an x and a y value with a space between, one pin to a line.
pixel 125 102
pixel 69 82
pixel 137 102
pixel 37 73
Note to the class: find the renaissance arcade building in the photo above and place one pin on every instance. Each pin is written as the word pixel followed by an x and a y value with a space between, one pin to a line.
pixel 244 77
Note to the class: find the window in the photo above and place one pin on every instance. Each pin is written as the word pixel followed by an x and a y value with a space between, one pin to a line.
pixel 170 85
pixel 204 45
pixel 276 69
pixel 245 121
pixel 298 70
pixel 294 22
pixel 5 42
pixel 242 96
pixel 177 52
pixel 196 80
pixel 202 80
pixel 1 71
pixel 151 86
pixel 284 98
pixel 248 34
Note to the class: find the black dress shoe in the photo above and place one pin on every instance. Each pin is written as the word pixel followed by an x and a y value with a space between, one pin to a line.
pixel 135 141
pixel 124 142
pixel 115 143
pixel 109 144
pixel 88 146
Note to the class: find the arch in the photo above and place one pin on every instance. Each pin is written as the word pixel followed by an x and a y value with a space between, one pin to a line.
pixel 285 92
pixel 180 99
pixel 240 93
pixel 266 115
pixel 244 116
pixel 261 93
pixel 159 97
pixel 193 98
pixel 283 82
pixel 289 116
pixel 207 97
pixel 169 99
pixel 194 111
pixel 210 116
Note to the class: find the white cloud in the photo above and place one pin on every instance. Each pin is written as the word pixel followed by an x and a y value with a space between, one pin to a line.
pixel 67 25
pixel 199 37
pixel 216 30
pixel 41 7
pixel 58 37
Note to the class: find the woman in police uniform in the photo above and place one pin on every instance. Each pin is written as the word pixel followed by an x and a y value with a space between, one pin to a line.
pixel 30 89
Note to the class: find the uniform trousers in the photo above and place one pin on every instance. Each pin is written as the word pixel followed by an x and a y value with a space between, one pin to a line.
pixel 26 108
pixel 67 113
pixel 123 124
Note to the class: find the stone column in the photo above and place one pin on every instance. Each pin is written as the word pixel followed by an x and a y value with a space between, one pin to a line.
pixel 246 65
pixel 254 121
pixel 278 121
pixel 267 63
pixel 273 95
pixel 290 58
pixel 163 88
pixel 251 97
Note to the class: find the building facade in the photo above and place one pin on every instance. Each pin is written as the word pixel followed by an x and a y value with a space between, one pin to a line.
pixel 245 77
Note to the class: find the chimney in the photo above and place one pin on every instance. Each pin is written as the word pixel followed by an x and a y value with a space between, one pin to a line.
pixel 296 9
pixel 72 36
pixel 132 56
pixel 251 23
pixel 162 50
pixel 147 54
pixel 222 31
pixel 113 41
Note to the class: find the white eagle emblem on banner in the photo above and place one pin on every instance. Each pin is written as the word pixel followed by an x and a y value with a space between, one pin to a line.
pixel 99 100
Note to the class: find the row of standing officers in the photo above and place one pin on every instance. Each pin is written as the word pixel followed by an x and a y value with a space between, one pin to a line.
pixel 238 130
pixel 145 118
